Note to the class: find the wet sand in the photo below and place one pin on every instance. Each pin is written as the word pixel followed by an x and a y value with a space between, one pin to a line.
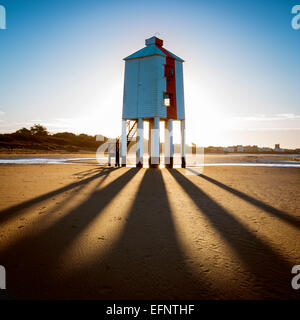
pixel 94 232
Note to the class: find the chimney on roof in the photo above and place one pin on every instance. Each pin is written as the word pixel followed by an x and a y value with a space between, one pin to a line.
pixel 154 40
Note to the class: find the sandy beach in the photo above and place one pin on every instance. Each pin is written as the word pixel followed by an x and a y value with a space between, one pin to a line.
pixel 90 232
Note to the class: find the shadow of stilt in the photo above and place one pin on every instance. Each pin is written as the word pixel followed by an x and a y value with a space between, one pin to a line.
pixel 86 173
pixel 147 261
pixel 69 197
pixel 14 211
pixel 46 248
pixel 293 221
pixel 270 270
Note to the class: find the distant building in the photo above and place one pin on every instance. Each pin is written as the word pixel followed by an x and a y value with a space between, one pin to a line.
pixel 277 148
pixel 264 149
pixel 251 149
pixel 240 148
pixel 212 149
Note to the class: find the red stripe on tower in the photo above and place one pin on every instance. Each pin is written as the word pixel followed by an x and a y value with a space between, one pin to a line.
pixel 171 80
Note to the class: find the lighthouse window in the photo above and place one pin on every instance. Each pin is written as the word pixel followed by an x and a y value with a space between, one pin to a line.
pixel 167 100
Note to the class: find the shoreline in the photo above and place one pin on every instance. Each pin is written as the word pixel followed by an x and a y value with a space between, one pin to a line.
pixel 206 160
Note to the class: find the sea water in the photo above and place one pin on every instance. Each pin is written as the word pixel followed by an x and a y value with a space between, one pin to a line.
pixel 72 160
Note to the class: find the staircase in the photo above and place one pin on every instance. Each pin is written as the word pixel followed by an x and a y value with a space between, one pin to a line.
pixel 130 136
pixel 131 131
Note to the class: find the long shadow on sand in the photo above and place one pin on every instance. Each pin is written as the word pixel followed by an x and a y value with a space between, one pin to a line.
pixel 15 210
pixel 32 260
pixel 270 270
pixel 284 216
pixel 146 261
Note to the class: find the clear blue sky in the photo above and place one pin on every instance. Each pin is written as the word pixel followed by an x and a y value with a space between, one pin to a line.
pixel 61 65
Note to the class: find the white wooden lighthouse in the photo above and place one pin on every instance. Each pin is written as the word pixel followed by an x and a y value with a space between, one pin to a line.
pixel 153 92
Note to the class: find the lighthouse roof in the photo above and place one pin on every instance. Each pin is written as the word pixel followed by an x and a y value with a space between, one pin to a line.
pixel 174 56
pixel 147 51
pixel 153 47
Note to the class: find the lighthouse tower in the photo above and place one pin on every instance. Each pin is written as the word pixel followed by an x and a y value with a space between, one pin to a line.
pixel 153 92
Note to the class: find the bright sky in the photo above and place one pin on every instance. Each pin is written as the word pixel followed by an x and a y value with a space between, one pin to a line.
pixel 61 65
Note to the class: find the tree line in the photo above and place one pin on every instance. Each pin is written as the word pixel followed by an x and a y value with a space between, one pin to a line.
pixel 38 137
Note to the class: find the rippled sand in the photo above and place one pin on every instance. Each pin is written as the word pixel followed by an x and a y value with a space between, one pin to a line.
pixel 96 232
